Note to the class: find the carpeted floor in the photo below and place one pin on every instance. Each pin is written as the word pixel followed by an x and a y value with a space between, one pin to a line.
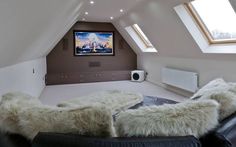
pixel 52 95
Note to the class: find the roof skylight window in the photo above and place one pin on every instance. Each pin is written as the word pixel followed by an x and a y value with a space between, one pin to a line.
pixel 216 19
pixel 140 38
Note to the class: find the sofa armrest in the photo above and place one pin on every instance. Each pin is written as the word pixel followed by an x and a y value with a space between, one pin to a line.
pixel 13 140
pixel 73 140
pixel 224 135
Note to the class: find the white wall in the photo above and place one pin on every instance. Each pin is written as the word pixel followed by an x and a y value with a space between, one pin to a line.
pixel 176 47
pixel 207 69
pixel 20 77
pixel 31 28
pixel 165 30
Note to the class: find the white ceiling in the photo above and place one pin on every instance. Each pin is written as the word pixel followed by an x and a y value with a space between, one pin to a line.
pixel 165 30
pixel 233 3
pixel 29 29
pixel 102 10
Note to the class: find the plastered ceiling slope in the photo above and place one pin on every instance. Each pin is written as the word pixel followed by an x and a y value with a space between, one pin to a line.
pixel 165 30
pixel 29 29
pixel 233 3
pixel 102 10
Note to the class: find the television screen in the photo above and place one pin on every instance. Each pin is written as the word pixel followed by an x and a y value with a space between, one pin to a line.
pixel 93 43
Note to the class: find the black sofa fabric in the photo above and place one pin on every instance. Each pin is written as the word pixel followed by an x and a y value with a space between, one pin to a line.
pixel 13 140
pixel 70 140
pixel 224 135
pixel 73 140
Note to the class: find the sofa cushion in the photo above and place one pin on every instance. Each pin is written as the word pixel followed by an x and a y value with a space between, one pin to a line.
pixel 213 86
pixel 23 114
pixel 232 87
pixel 187 118
pixel 74 140
pixel 113 99
pixel 19 98
pixel 226 99
pixel 9 106
pixel 14 140
pixel 91 121
pixel 224 93
pixel 223 136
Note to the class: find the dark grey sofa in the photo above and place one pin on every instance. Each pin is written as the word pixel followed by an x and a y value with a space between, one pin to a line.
pixel 72 140
pixel 223 136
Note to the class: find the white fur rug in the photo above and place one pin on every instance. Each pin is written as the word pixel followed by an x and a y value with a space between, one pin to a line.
pixel 224 93
pixel 227 101
pixel 89 121
pixel 115 100
pixel 187 118
pixel 23 114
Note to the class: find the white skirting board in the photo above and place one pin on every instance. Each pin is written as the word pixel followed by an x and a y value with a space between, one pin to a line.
pixel 181 79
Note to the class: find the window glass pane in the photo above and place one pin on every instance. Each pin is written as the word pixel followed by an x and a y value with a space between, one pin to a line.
pixel 218 16
pixel 142 35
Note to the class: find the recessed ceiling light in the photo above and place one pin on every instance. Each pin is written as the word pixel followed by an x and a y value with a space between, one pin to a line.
pixel 111 18
pixel 86 13
pixel 91 2
pixel 121 10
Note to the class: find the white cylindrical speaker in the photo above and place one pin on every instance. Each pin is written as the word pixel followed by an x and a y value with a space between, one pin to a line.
pixel 138 75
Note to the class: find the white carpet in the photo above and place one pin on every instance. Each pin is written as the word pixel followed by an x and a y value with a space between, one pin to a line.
pixel 52 95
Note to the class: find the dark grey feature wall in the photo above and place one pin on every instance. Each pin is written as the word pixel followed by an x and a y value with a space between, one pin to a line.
pixel 65 68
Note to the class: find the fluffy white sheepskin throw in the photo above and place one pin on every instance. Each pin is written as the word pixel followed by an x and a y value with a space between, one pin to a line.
pixel 113 99
pixel 187 118
pixel 232 87
pixel 23 114
pixel 226 99
pixel 91 121
pixel 224 93
pixel 212 86
pixel 20 99
pixel 10 105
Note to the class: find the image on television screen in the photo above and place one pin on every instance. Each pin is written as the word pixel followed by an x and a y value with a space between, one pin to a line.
pixel 93 43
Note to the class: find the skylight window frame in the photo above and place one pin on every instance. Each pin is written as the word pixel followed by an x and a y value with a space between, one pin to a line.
pixel 139 41
pixel 147 43
pixel 197 19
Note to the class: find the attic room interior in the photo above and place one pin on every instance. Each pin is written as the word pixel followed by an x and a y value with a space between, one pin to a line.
pixel 109 73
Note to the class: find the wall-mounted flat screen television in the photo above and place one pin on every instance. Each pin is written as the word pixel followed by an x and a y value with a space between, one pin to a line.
pixel 93 43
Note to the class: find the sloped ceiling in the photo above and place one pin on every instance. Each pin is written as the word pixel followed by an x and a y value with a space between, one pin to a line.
pixel 165 30
pixel 233 3
pixel 30 28
pixel 102 10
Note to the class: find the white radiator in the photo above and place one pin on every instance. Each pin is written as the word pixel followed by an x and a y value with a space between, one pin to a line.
pixel 181 79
